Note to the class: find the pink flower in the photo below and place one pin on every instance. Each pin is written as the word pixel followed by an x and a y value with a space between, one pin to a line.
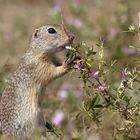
pixel 102 87
pixel 76 22
pixel 8 37
pixel 135 69
pixel 79 92
pixel 57 8
pixel 129 51
pixel 78 65
pixel 94 75
pixel 76 3
pixel 58 117
pixel 124 75
pixel 63 94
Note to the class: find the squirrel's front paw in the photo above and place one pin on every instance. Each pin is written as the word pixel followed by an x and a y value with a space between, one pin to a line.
pixel 71 60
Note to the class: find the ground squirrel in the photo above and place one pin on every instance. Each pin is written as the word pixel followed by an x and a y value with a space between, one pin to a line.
pixel 20 109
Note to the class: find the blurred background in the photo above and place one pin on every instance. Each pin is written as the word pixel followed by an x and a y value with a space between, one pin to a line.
pixel 89 20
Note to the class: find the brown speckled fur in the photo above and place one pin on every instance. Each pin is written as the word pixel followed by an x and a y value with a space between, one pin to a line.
pixel 20 110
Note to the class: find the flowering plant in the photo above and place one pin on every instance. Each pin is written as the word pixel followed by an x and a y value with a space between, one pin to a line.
pixel 102 96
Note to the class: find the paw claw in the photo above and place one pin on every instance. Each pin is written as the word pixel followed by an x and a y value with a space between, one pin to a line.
pixel 71 58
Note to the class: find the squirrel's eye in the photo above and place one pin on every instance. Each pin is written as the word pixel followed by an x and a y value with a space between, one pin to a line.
pixel 36 33
pixel 51 31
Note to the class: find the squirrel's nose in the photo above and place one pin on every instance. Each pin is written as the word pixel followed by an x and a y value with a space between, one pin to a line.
pixel 71 37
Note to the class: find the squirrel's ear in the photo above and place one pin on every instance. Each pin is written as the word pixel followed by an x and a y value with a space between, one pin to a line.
pixel 36 34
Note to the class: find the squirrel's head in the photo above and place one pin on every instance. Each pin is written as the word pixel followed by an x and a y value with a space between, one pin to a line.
pixel 51 38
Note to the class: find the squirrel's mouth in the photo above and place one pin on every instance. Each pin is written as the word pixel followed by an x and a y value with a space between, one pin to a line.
pixel 64 47
pixel 60 53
